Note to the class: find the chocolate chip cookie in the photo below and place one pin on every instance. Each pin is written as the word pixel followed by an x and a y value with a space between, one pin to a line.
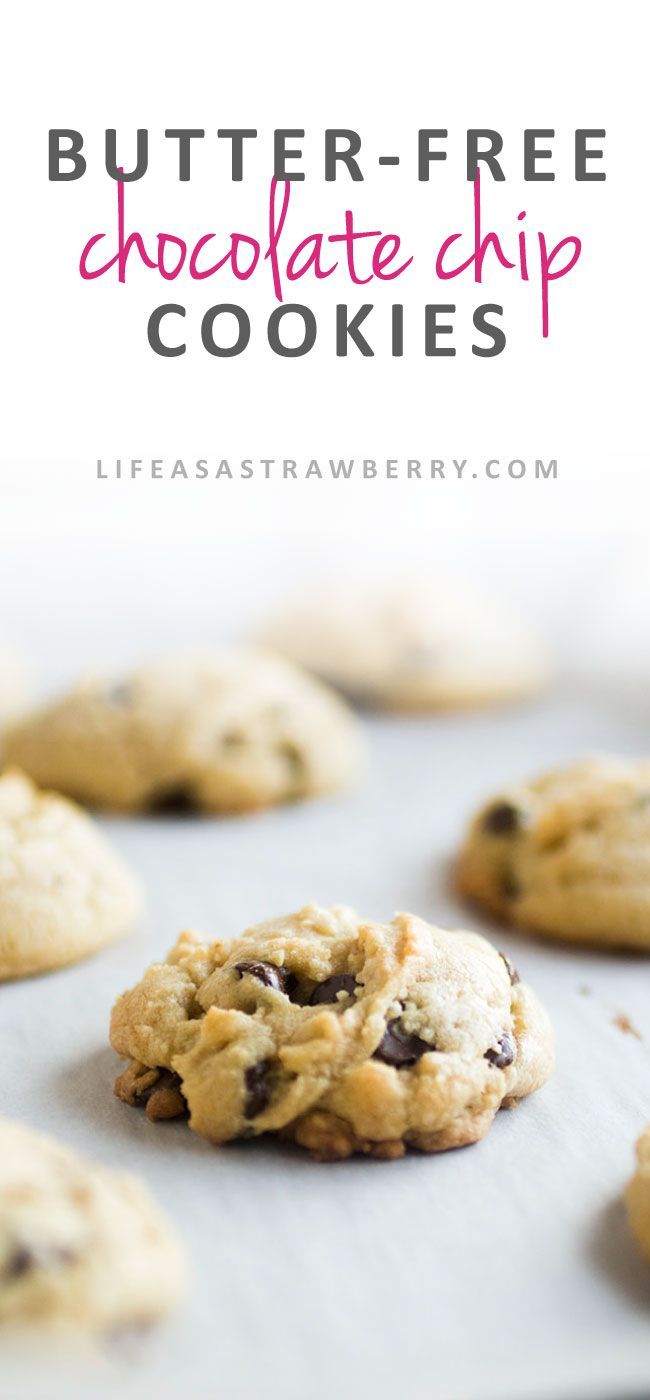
pixel 64 893
pixel 220 732
pixel 567 854
pixel 342 1035
pixel 80 1246
pixel 427 645
pixel 637 1196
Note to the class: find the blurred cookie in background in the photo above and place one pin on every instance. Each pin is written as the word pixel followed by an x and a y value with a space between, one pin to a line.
pixel 64 893
pixel 567 854
pixel 80 1246
pixel 637 1196
pixel 223 731
pixel 421 645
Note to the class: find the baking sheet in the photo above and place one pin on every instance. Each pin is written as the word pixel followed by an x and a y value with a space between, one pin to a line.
pixel 504 1269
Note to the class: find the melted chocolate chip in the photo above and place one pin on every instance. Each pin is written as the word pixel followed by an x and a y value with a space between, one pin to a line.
pixel 503 819
pixel 279 978
pixel 258 1088
pixel 505 1054
pixel 398 1048
pixel 510 969
pixel 328 991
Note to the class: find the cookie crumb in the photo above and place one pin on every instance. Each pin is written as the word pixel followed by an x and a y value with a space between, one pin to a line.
pixel 623 1023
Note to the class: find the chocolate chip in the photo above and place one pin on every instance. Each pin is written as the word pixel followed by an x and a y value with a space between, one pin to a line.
pixel 505 1054
pixel 258 1088
pixel 503 819
pixel 173 801
pixel 24 1259
pixel 510 969
pixel 328 990
pixel 279 978
pixel 18 1263
pixel 398 1048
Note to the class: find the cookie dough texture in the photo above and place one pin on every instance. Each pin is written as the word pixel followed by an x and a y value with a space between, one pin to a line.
pixel 423 646
pixel 637 1196
pixel 568 854
pixel 80 1246
pixel 221 732
pixel 342 1035
pixel 63 892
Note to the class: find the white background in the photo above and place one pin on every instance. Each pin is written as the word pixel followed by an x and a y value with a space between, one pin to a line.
pixel 81 382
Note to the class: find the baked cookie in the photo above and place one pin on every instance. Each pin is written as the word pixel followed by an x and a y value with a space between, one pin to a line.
pixel 221 732
pixel 637 1196
pixel 423 646
pixel 344 1036
pixel 567 854
pixel 80 1246
pixel 63 892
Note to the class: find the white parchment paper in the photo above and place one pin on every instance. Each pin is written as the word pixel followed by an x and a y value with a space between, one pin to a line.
pixel 501 1270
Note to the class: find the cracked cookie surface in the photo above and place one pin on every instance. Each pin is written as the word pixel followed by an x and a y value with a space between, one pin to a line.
pixel 422 646
pixel 567 854
pixel 637 1196
pixel 342 1035
pixel 219 732
pixel 64 893
pixel 80 1246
